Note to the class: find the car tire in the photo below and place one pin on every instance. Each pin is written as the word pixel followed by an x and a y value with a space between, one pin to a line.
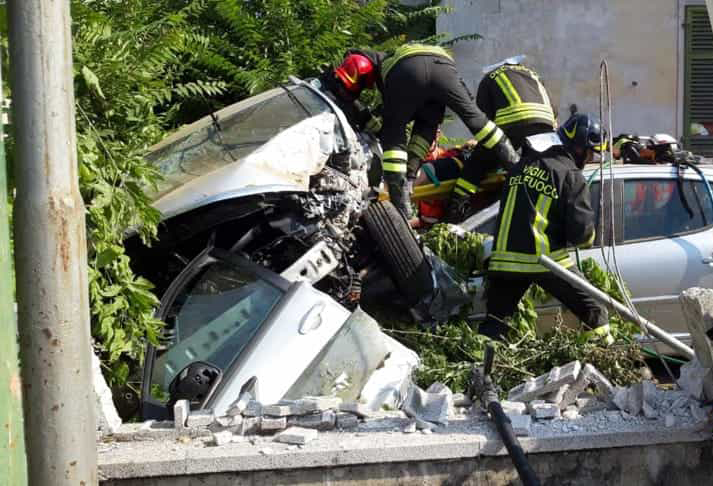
pixel 405 261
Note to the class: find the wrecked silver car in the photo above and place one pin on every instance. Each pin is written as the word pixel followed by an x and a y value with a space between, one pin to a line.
pixel 270 225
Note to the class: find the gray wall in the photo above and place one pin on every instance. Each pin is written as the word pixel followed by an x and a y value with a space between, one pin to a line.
pixel 565 41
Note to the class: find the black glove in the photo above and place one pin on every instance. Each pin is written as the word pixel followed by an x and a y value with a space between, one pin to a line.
pixel 506 154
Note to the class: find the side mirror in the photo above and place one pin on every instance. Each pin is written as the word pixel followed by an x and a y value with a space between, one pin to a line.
pixel 195 383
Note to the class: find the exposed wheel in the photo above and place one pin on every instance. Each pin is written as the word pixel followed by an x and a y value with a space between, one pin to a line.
pixel 406 264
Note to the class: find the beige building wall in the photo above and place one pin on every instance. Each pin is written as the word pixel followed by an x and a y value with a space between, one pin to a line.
pixel 566 40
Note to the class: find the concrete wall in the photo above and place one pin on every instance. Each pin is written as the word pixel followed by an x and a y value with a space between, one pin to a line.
pixel 565 41
pixel 674 464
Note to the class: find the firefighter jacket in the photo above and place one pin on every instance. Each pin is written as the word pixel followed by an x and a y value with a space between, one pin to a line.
pixel 545 209
pixel 513 96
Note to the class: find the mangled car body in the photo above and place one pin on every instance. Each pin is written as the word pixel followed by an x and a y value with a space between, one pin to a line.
pixel 269 226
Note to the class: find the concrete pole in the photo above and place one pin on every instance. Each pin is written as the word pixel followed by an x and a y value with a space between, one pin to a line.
pixel 50 250
pixel 13 464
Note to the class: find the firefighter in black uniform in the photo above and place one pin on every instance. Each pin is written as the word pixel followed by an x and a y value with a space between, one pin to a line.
pixel 513 96
pixel 545 208
pixel 417 82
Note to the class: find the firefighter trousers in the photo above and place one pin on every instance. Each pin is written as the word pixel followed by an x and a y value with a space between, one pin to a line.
pixel 505 290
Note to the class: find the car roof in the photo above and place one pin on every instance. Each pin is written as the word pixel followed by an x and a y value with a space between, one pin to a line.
pixel 632 171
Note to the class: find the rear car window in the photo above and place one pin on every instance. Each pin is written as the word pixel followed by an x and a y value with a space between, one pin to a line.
pixel 212 319
pixel 660 208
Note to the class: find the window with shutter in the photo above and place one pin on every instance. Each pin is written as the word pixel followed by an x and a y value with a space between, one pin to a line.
pixel 698 94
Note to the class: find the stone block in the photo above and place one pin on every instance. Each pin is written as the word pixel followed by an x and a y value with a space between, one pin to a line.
pixel 620 398
pixel 590 405
pixel 222 438
pixel 649 411
pixel 513 408
pixel 697 305
pixel 557 396
pixel 635 399
pixel 692 378
pixel 431 407
pixel 273 424
pixel 249 426
pixel 237 407
pixel 541 410
pixel 588 377
pixel 521 424
pixel 253 409
pixel 200 418
pixel 547 383
pixel 669 420
pixel 107 418
pixel 322 421
pixel 700 414
pixel 359 409
pixel 410 427
pixel 318 404
pixel 281 410
pixel 424 424
pixel 181 409
pixel 296 435
pixel 347 421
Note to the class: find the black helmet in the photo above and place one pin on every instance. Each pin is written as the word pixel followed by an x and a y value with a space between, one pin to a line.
pixel 583 132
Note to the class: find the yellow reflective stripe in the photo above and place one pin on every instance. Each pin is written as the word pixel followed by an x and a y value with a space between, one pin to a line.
pixel 458 162
pixel 485 131
pixel 394 167
pixel 508 89
pixel 460 191
pixel 589 242
pixel 513 256
pixel 524 111
pixel 418 146
pixel 543 92
pixel 490 143
pixel 465 185
pixel 524 106
pixel 506 219
pixel 539 225
pixel 409 50
pixel 496 265
pixel 395 155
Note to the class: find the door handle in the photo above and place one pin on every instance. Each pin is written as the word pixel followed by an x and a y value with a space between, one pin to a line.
pixel 312 319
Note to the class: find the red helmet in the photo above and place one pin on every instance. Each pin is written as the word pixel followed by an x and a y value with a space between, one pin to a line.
pixel 356 73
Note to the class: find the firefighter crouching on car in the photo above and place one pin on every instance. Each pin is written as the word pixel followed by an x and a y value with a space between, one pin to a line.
pixel 545 208
pixel 416 82
pixel 513 96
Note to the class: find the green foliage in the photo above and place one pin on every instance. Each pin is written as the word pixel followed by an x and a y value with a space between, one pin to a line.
pixel 463 252
pixel 129 72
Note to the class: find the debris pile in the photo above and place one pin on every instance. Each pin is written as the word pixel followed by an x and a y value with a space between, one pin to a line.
pixel 572 391
pixel 293 422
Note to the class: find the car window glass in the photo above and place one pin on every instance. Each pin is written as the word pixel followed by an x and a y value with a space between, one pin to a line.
pixel 212 319
pixel 239 134
pixel 658 208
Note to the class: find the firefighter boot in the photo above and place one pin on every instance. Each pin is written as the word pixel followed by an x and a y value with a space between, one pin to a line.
pixel 399 194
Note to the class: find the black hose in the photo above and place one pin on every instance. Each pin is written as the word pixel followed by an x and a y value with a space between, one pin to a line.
pixel 517 455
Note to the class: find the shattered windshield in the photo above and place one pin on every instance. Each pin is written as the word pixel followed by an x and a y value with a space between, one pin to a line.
pixel 224 140
pixel 212 319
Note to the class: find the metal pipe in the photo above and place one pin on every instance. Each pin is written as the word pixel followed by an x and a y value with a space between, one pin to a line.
pixel 13 463
pixel 50 250
pixel 597 294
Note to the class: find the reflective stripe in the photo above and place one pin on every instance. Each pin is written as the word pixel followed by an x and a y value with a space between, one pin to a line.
pixel 418 146
pixel 459 191
pixel 497 136
pixel 543 92
pixel 485 131
pixel 501 266
pixel 524 111
pixel 394 167
pixel 589 241
pixel 506 219
pixel 508 89
pixel 409 50
pixel 539 225
pixel 458 162
pixel 516 257
pixel 467 186
pixel 395 155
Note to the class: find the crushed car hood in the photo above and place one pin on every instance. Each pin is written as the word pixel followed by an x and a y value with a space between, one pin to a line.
pixel 283 164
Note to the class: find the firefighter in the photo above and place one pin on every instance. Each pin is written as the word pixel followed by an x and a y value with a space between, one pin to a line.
pixel 417 82
pixel 513 96
pixel 545 208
